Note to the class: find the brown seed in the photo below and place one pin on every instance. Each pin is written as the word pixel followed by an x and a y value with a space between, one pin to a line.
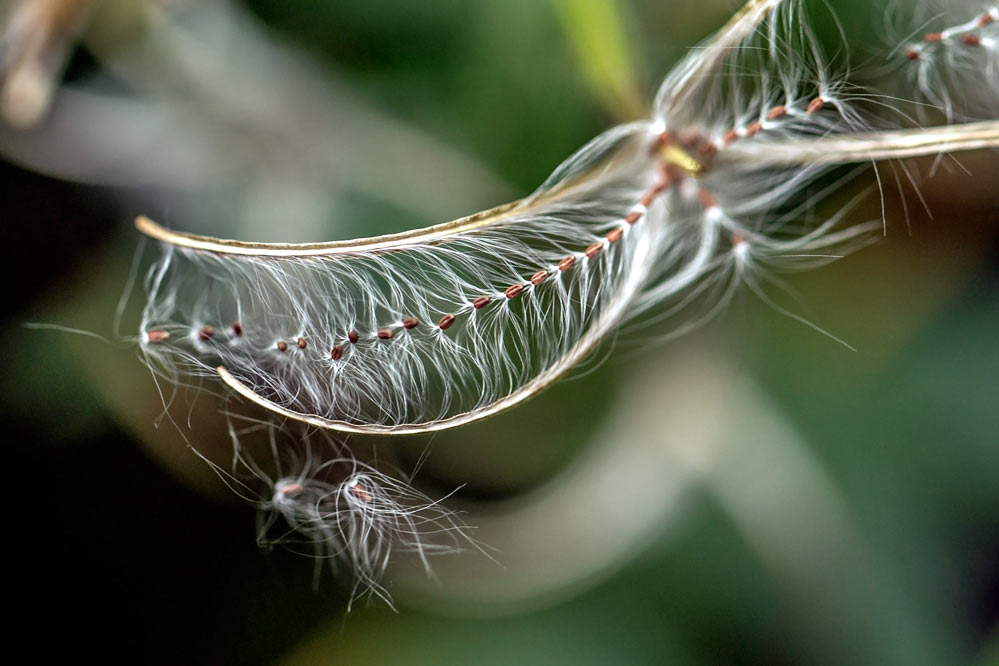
pixel 282 345
pixel 481 302
pixel 539 277
pixel 446 321
pixel 665 139
pixel 634 216
pixel 410 323
pixel 594 250
pixel 566 263
pixel 302 344
pixel 731 136
pixel 158 336
pixel 292 489
pixel 237 329
pixel 913 54
pixel 336 353
pixel 816 105
pixel 934 37
pixel 360 492
pixel 353 337
pixel 986 19
pixel 615 235
pixel 385 334
pixel 707 199
pixel 754 129
pixel 648 198
pixel 971 40
pixel 513 291
pixel 206 333
pixel 777 112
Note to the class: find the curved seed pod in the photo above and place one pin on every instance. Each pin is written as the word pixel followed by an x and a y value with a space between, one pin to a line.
pixel 711 190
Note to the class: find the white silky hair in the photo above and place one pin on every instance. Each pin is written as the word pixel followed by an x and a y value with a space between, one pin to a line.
pixel 314 497
pixel 434 329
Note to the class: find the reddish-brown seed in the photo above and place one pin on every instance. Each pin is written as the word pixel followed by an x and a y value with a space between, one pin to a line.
pixel 539 277
pixel 665 139
pixel 513 291
pixel 633 216
pixel 707 199
pixel 360 492
pixel 237 329
pixel 615 235
pixel 566 263
pixel 282 345
pixel 648 198
pixel 594 250
pixel 336 353
pixel 913 54
pixel 816 105
pixel 385 334
pixel 206 333
pixel 986 19
pixel 731 136
pixel 934 37
pixel 292 489
pixel 446 321
pixel 777 112
pixel 481 302
pixel 158 336
pixel 971 40
pixel 754 129
pixel 353 337
pixel 302 344
pixel 410 323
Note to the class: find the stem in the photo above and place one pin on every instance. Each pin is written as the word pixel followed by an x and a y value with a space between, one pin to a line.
pixel 875 146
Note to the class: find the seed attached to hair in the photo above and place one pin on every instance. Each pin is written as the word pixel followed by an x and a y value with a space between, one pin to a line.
pixel 566 263
pixel 481 302
pixel 158 336
pixel 353 337
pixel 986 19
pixel 237 329
pixel 360 492
pixel 971 40
pixel 934 37
pixel 777 112
pixel 731 136
pixel 913 54
pixel 292 489
pixel 410 323
pixel 206 333
pixel 594 250
pixel 282 345
pixel 445 322
pixel 707 199
pixel 302 344
pixel 539 277
pixel 816 105
pixel 336 353
pixel 635 216
pixel 615 235
pixel 385 334
pixel 513 291
pixel 754 129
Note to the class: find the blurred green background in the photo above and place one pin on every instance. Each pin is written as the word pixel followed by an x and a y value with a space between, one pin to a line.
pixel 752 493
